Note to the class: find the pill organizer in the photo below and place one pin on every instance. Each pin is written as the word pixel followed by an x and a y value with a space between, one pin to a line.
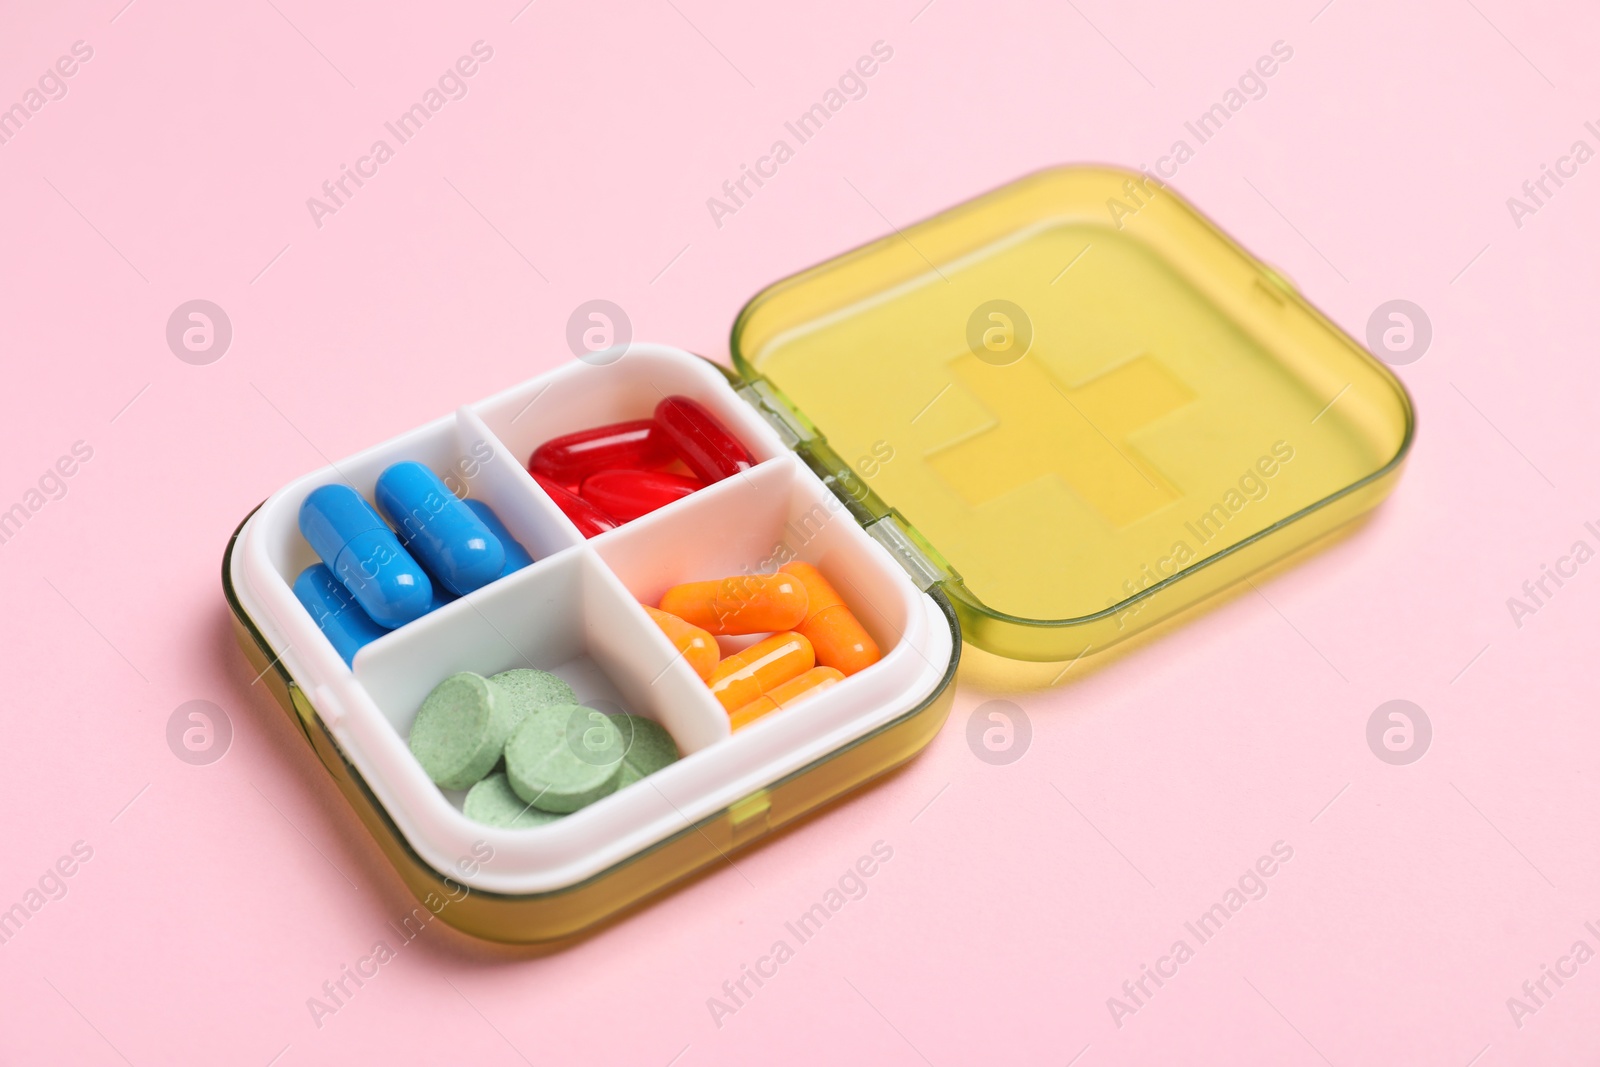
pixel 1039 422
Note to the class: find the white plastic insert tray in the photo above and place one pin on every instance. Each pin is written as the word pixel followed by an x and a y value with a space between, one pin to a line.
pixel 576 612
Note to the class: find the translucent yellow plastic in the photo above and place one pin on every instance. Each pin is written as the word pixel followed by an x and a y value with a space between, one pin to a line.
pixel 1180 418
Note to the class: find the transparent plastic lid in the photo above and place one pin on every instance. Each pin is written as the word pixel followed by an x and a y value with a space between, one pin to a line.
pixel 1077 396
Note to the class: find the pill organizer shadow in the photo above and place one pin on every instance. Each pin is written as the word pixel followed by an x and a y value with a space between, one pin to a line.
pixel 974 508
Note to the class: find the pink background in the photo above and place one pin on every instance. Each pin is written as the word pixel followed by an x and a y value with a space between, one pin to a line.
pixel 1019 898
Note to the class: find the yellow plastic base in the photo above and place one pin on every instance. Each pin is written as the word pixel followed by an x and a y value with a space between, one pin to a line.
pixel 562 915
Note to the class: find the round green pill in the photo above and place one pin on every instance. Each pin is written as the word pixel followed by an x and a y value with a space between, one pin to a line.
pixel 647 747
pixel 461 730
pixel 564 757
pixel 529 689
pixel 494 803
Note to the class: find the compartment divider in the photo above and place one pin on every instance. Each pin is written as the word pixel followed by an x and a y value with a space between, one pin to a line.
pixel 705 500
pixel 528 619
pixel 646 668
pixel 504 484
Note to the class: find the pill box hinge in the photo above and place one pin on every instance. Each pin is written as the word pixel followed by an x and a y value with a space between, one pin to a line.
pixel 915 559
pixel 778 414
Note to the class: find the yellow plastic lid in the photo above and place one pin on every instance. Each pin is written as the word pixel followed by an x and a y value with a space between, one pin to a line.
pixel 1076 404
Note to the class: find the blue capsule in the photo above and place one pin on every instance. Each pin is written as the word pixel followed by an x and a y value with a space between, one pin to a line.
pixel 442 532
pixel 336 612
pixel 362 553
pixel 516 556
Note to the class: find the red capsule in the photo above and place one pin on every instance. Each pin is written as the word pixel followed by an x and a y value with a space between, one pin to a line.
pixel 700 440
pixel 589 519
pixel 569 459
pixel 628 494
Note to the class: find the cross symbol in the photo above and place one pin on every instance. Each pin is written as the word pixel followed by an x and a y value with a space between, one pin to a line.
pixel 1080 435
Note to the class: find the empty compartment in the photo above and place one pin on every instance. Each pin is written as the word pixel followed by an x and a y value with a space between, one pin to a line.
pixel 567 615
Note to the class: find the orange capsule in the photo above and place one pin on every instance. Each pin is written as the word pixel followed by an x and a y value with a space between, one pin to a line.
pixel 698 647
pixel 759 669
pixel 743 604
pixel 784 695
pixel 837 635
